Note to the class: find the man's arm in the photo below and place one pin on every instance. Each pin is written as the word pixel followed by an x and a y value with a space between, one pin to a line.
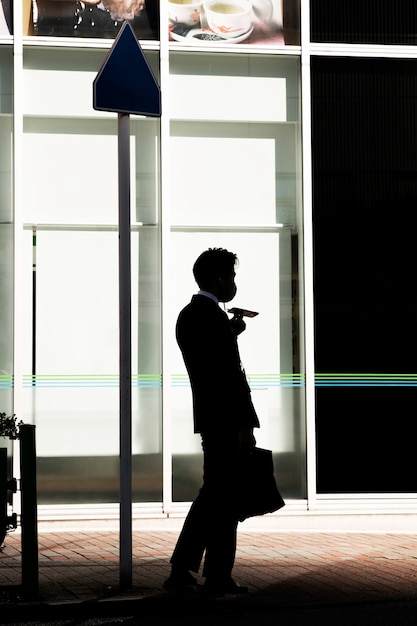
pixel 247 439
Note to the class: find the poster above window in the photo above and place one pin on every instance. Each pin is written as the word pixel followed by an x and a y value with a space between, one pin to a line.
pixel 218 22
pixel 274 23
pixel 96 18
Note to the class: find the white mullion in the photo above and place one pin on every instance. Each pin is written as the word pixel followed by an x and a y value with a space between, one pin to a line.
pixel 386 51
pixel 18 283
pixel 308 256
pixel 19 305
pixel 165 267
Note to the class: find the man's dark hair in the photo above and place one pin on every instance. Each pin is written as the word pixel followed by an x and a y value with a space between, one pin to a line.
pixel 212 264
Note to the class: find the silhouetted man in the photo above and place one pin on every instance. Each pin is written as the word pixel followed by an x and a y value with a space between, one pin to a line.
pixel 225 418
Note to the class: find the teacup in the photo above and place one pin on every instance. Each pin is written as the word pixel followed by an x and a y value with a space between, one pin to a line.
pixel 228 18
pixel 185 12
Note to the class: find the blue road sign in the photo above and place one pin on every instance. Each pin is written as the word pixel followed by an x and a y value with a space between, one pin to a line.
pixel 125 83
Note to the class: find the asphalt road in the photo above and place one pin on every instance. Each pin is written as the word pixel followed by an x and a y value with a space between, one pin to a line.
pixel 184 611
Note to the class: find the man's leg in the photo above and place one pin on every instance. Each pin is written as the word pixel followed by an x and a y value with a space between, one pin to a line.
pixel 220 479
pixel 221 550
pixel 191 543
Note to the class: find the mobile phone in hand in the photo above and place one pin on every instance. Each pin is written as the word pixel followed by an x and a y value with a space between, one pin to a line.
pixel 242 312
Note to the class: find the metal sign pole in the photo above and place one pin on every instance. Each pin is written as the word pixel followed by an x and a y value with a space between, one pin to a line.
pixel 125 323
pixel 124 85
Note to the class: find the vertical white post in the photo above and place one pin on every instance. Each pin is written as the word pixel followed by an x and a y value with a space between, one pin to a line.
pixel 308 257
pixel 166 269
pixel 20 297
pixel 125 334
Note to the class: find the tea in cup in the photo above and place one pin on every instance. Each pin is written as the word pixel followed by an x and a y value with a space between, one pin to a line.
pixel 228 18
pixel 185 12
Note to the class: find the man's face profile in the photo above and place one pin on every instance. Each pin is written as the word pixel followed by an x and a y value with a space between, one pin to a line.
pixel 228 286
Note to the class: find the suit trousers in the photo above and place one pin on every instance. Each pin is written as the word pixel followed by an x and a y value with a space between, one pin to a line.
pixel 211 523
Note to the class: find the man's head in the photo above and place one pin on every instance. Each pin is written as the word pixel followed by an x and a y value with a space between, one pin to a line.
pixel 214 271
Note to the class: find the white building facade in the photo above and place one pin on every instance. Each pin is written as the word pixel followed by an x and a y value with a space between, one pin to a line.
pixel 237 160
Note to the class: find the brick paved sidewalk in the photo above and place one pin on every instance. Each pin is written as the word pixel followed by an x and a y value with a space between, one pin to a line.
pixel 287 568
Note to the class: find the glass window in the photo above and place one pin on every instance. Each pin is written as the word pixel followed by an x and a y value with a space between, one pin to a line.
pixel 235 183
pixel 76 181
pixel 6 317
pixel 72 326
pixel 59 82
pixel 371 22
pixel 71 381
pixel 234 174
pixel 365 220
pixel 6 230
pixel 229 167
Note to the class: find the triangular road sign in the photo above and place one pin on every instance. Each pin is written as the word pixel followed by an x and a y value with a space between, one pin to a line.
pixel 125 83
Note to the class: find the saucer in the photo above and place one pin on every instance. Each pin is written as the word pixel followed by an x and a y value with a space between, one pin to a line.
pixel 201 35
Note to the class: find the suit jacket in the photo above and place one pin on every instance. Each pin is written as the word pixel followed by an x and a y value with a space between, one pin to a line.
pixel 221 394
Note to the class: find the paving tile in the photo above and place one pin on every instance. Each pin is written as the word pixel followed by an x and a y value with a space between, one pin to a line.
pixel 297 567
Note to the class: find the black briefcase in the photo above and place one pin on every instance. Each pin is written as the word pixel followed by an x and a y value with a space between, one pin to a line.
pixel 258 492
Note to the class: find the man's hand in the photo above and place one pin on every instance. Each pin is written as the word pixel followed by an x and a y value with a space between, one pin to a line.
pixel 238 324
pixel 247 439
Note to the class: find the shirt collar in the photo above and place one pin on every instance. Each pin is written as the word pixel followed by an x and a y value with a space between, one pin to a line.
pixel 207 294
